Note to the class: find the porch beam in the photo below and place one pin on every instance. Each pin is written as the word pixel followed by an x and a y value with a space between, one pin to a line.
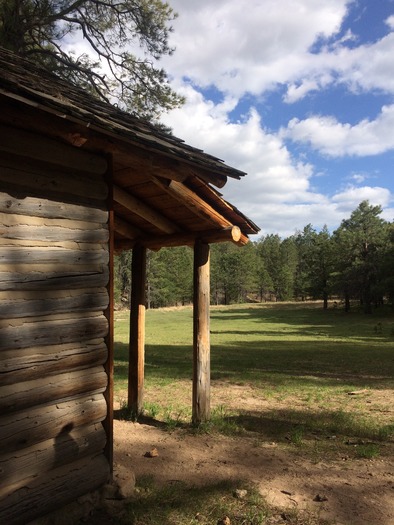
pixel 137 331
pixel 131 203
pixel 126 229
pixel 201 335
pixel 232 234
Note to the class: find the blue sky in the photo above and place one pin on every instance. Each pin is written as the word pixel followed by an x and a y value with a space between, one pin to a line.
pixel 297 93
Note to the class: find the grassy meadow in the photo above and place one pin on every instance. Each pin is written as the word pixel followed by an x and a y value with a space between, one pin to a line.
pixel 296 367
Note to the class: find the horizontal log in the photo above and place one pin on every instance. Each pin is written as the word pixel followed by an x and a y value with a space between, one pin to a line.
pixel 141 209
pixel 196 204
pixel 31 363
pixel 126 229
pixel 24 428
pixel 50 255
pixel 68 446
pixel 39 147
pixel 20 396
pixel 53 233
pixel 41 207
pixel 71 187
pixel 18 333
pixel 13 220
pixel 66 245
pixel 40 495
pixel 16 304
pixel 230 234
pixel 43 277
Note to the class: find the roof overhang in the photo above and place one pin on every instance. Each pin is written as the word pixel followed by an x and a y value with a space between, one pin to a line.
pixel 162 189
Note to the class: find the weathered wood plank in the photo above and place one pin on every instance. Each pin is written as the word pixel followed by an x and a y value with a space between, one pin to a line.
pixel 68 446
pixel 40 207
pixel 11 220
pixel 20 396
pixel 47 233
pixel 40 228
pixel 31 363
pixel 49 183
pixel 26 427
pixel 66 245
pixel 39 147
pixel 14 305
pixel 60 486
pixel 31 277
pixel 51 255
pixel 18 333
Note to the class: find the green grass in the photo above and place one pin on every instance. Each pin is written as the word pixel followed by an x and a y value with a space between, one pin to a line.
pixel 301 359
pixel 298 363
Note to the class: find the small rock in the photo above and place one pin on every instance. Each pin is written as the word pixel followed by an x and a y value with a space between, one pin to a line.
pixel 224 521
pixel 320 498
pixel 240 493
pixel 153 453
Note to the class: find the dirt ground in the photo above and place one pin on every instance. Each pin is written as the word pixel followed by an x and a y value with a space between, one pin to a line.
pixel 341 489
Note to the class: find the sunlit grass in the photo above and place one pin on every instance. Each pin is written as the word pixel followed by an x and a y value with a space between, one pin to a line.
pixel 300 363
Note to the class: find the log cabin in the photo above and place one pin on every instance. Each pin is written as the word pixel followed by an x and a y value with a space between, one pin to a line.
pixel 81 180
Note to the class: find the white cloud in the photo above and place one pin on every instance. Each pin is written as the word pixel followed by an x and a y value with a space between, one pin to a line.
pixel 390 21
pixel 337 139
pixel 358 177
pixel 251 49
pixel 353 195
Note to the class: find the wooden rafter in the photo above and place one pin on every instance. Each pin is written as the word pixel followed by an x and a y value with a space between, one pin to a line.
pixel 136 206
pixel 126 229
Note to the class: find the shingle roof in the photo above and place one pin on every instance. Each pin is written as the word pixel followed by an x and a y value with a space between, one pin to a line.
pixel 35 87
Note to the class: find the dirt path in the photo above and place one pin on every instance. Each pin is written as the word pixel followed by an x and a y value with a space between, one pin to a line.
pixel 354 491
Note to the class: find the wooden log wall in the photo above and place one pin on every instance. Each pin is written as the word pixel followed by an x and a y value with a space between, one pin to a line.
pixel 54 262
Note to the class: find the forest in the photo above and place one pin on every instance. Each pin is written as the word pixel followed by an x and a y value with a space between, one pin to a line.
pixel 353 263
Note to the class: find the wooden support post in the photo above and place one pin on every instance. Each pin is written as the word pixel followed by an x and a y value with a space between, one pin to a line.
pixel 137 331
pixel 201 335
pixel 109 313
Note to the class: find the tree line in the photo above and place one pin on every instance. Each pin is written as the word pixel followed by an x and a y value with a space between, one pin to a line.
pixel 355 262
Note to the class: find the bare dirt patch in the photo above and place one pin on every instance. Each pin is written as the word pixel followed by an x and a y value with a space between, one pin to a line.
pixel 325 483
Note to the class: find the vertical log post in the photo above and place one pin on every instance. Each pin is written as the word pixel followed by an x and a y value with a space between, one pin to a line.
pixel 201 335
pixel 109 313
pixel 137 331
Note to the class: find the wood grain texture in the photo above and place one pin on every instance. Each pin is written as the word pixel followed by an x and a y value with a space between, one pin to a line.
pixel 25 428
pixel 41 494
pixel 21 333
pixel 68 446
pixel 201 334
pixel 26 205
pixel 17 304
pixel 137 331
pixel 32 393
pixel 33 362
pixel 17 255
pixel 39 147
pixel 48 277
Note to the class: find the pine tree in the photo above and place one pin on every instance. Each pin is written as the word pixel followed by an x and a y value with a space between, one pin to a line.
pixel 125 38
